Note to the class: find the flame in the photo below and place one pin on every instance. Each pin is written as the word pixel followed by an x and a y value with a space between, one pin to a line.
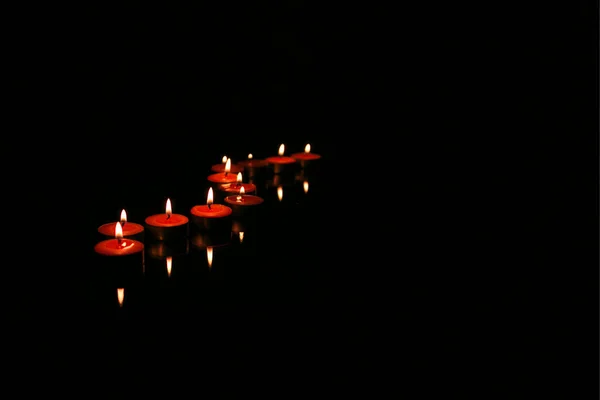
pixel 224 159
pixel 305 186
pixel 121 296
pixel 209 198
pixel 118 231
pixel 280 192
pixel 307 148
pixel 169 265
pixel 209 256
pixel 241 236
pixel 123 217
pixel 228 165
pixel 242 190
pixel 281 149
pixel 250 156
pixel 239 177
pixel 168 209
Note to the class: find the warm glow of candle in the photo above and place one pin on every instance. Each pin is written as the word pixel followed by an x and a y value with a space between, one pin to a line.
pixel 242 191
pixel 123 217
pixel 280 192
pixel 281 150
pixel 121 296
pixel 241 234
pixel 169 265
pixel 224 159
pixel 228 166
pixel 250 156
pixel 118 231
pixel 209 198
pixel 307 148
pixel 239 177
pixel 305 186
pixel 168 208
pixel 209 256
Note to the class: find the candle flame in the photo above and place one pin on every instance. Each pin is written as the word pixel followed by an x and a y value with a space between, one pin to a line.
pixel 209 256
pixel 241 234
pixel 121 296
pixel 281 149
pixel 280 192
pixel 228 165
pixel 168 208
pixel 209 198
pixel 169 265
pixel 118 231
pixel 239 177
pixel 305 186
pixel 307 148
pixel 123 217
pixel 250 156
pixel 242 190
pixel 224 159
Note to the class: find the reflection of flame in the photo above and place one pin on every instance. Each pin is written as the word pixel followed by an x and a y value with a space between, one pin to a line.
pixel 239 177
pixel 280 192
pixel 307 148
pixel 224 159
pixel 209 198
pixel 250 156
pixel 305 186
pixel 123 217
pixel 121 296
pixel 241 234
pixel 209 256
pixel 228 165
pixel 118 231
pixel 281 149
pixel 168 209
pixel 169 265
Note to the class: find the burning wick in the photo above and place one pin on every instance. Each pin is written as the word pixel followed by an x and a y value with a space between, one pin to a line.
pixel 123 218
pixel 240 196
pixel 238 180
pixel 119 233
pixel 227 166
pixel 209 198
pixel 168 208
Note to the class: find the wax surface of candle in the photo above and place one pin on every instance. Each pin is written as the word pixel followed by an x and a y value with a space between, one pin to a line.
pixel 306 156
pixel 215 211
pixel 129 229
pixel 116 247
pixel 163 220
pixel 222 177
pixel 244 200
pixel 234 188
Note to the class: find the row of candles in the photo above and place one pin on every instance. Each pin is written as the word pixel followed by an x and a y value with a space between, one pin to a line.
pixel 125 240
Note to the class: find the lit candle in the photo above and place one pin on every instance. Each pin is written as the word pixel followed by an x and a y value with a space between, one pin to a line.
pixel 119 245
pixel 233 168
pixel 253 166
pixel 245 209
pixel 211 217
pixel 130 229
pixel 224 177
pixel 306 155
pixel 227 189
pixel 121 259
pixel 167 226
pixel 281 163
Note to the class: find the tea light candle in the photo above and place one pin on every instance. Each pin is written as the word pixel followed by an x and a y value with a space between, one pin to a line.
pixel 243 204
pixel 306 156
pixel 211 217
pixel 167 226
pixel 234 188
pixel 224 177
pixel 252 166
pixel 119 246
pixel 129 229
pixel 280 163
pixel 221 167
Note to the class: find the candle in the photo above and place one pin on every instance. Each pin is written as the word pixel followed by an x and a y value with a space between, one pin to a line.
pixel 119 245
pixel 121 260
pixel 221 167
pixel 245 209
pixel 167 226
pixel 306 157
pixel 212 218
pixel 130 229
pixel 252 166
pixel 227 189
pixel 224 177
pixel 281 163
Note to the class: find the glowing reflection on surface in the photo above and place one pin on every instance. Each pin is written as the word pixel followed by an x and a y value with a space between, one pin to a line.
pixel 280 192
pixel 121 296
pixel 209 256
pixel 169 265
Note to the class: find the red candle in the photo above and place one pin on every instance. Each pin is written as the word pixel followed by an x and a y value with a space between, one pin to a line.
pixel 130 229
pixel 306 155
pixel 211 217
pixel 280 161
pixel 252 166
pixel 168 225
pixel 118 246
pixel 234 188
pixel 232 167
pixel 224 177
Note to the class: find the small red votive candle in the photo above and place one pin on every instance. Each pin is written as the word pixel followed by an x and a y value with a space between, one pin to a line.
pixel 210 217
pixel 129 229
pixel 122 259
pixel 228 189
pixel 252 166
pixel 167 226
pixel 232 167
pixel 224 177
pixel 305 157
pixel 281 163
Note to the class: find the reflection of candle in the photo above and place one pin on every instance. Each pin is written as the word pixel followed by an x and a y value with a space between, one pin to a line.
pixel 280 192
pixel 120 296
pixel 169 265
pixel 167 226
pixel 224 177
pixel 211 217
pixel 280 161
pixel 209 256
pixel 253 166
pixel 130 229
pixel 233 168
pixel 305 186
pixel 119 246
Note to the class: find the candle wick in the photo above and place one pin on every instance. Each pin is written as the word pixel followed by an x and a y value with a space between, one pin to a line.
pixel 208 206
pixel 168 216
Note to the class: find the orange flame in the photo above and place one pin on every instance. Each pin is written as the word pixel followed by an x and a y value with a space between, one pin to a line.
pixel 281 150
pixel 121 296
pixel 118 231
pixel 224 159
pixel 250 156
pixel 168 208
pixel 209 256
pixel 239 177
pixel 169 265
pixel 305 186
pixel 242 190
pixel 280 192
pixel 307 148
pixel 209 198
pixel 241 234
pixel 123 217
pixel 228 165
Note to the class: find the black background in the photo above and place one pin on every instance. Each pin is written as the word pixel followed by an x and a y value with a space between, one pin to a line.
pixel 456 130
